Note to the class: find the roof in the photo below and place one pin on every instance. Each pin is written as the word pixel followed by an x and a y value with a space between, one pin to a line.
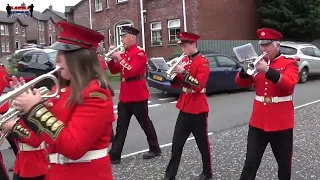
pixel 69 9
pixel 60 14
pixel 9 20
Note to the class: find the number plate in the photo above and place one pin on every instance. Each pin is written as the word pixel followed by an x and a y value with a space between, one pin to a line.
pixel 156 77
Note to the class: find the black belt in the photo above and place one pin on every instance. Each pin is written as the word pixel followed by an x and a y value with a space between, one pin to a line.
pixel 132 79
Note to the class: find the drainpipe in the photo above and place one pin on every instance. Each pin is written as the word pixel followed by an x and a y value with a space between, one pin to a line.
pixel 90 18
pixel 184 15
pixel 142 24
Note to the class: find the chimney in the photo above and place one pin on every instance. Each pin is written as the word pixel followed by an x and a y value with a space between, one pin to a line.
pixel 50 7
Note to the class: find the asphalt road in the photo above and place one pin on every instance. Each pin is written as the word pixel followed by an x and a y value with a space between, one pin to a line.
pixel 228 117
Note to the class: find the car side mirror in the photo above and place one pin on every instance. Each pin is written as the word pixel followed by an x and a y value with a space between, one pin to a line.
pixel 237 66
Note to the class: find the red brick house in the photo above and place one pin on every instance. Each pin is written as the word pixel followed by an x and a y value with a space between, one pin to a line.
pixel 12 34
pixel 163 19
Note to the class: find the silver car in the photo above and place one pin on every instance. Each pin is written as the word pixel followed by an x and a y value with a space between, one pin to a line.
pixel 307 55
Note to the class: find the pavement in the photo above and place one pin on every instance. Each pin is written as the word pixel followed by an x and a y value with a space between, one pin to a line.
pixel 228 119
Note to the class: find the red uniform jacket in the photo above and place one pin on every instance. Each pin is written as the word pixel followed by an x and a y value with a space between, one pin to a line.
pixel 3 84
pixel 279 81
pixel 74 130
pixel 196 79
pixel 25 165
pixel 132 67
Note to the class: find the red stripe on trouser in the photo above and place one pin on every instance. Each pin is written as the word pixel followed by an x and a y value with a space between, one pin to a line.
pixel 149 125
pixel 209 148
pixel 3 166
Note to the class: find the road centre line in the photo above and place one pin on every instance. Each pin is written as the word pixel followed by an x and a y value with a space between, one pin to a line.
pixel 209 134
pixel 164 99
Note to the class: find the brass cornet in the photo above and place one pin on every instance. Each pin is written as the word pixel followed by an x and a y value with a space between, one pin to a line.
pixel 172 64
pixel 106 56
pixel 251 66
pixel 25 87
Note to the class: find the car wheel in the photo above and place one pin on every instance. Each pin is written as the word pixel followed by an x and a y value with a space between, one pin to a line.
pixel 303 75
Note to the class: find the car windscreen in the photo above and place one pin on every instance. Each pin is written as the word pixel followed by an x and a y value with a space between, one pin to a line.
pixel 288 50
pixel 52 56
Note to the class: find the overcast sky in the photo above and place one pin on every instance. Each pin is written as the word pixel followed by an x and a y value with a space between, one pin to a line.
pixel 39 5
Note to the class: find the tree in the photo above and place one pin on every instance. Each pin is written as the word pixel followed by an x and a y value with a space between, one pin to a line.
pixel 296 19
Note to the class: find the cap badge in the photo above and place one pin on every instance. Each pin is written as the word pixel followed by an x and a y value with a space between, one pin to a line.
pixel 263 33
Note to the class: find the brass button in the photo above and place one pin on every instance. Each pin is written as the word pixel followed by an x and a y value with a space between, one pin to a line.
pixel 57 96
pixel 265 93
pixel 266 83
pixel 265 88
pixel 63 90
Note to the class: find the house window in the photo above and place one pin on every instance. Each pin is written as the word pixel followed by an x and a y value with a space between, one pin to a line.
pixel 49 25
pixel 107 4
pixel 173 29
pixel 6 30
pixel 17 29
pixel 23 33
pixel 39 26
pixel 3 45
pixel 118 30
pixel 122 1
pixel 42 25
pixel 8 47
pixel 98 5
pixel 156 36
pixel 102 42
pixel 2 29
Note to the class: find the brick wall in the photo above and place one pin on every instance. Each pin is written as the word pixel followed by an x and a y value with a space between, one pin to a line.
pixel 81 14
pixel 17 36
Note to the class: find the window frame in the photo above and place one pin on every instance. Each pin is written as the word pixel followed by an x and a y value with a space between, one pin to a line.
pixel 98 5
pixel 175 28
pixel 154 43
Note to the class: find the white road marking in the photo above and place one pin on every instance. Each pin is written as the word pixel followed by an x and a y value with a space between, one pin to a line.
pixel 174 102
pixel 164 99
pixel 209 134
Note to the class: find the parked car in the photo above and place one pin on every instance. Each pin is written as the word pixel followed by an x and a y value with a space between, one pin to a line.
pixel 308 56
pixel 223 70
pixel 16 56
pixel 34 63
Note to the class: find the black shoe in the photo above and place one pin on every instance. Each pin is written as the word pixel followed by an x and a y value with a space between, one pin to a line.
pixel 150 155
pixel 115 161
pixel 203 177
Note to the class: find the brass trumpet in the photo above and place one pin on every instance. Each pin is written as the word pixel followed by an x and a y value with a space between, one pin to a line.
pixel 27 86
pixel 106 56
pixel 172 64
pixel 12 113
pixel 251 66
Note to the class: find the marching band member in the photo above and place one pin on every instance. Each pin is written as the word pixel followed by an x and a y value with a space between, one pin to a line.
pixel 133 96
pixel 3 109
pixel 272 118
pixel 70 124
pixel 31 161
pixel 192 103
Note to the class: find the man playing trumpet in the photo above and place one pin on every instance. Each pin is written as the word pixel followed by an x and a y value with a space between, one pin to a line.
pixel 272 118
pixel 134 94
pixel 192 74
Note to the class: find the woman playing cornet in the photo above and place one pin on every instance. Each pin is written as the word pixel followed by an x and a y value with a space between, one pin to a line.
pixel 71 124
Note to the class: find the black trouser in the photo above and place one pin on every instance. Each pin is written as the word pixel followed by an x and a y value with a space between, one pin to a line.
pixel 13 145
pixel 17 177
pixel 3 170
pixel 281 143
pixel 185 125
pixel 125 112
